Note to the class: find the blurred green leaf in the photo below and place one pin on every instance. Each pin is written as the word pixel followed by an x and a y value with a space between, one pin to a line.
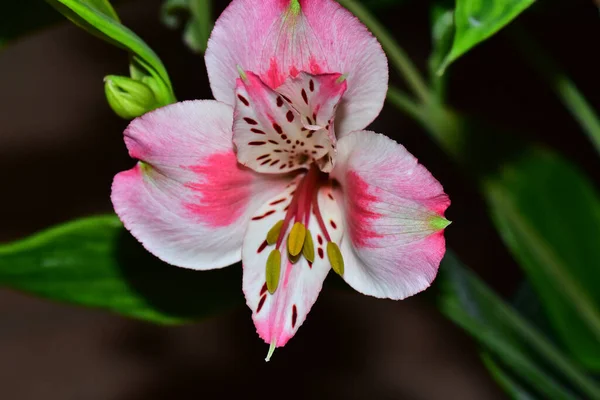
pixel 549 215
pixel 199 25
pixel 94 262
pixel 517 344
pixel 477 20
pixel 101 23
pixel 546 210
pixel 510 386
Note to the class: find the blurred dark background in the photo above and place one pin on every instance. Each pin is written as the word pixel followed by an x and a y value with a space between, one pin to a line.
pixel 60 146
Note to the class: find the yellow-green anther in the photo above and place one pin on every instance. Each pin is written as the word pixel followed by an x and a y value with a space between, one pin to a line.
pixel 335 258
pixel 293 259
pixel 308 251
pixel 273 234
pixel 296 239
pixel 273 270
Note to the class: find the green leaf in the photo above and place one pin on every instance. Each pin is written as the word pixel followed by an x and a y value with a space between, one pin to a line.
pixel 547 212
pixel 199 25
pixel 517 344
pixel 549 215
pixel 104 7
pixel 99 23
pixel 477 20
pixel 94 262
pixel 510 386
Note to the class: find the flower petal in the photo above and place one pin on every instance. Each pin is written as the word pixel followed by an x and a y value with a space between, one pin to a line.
pixel 268 133
pixel 316 98
pixel 280 38
pixel 188 201
pixel 278 316
pixel 394 219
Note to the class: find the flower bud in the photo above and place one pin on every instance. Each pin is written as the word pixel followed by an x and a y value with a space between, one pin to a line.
pixel 127 97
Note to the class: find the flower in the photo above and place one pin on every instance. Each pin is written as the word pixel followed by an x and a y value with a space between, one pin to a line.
pixel 278 171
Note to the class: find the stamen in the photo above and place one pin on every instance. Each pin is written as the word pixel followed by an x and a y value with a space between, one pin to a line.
pixel 273 270
pixel 290 213
pixel 335 258
pixel 308 251
pixel 274 233
pixel 317 212
pixel 296 239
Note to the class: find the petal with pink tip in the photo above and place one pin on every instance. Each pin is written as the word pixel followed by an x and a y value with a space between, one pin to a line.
pixel 393 208
pixel 268 132
pixel 280 38
pixel 277 317
pixel 188 201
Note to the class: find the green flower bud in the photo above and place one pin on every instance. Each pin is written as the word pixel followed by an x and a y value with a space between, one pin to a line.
pixel 127 97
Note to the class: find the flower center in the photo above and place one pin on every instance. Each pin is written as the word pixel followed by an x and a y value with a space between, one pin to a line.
pixel 297 240
pixel 305 197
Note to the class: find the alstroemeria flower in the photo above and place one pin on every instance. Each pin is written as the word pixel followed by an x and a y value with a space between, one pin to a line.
pixel 280 174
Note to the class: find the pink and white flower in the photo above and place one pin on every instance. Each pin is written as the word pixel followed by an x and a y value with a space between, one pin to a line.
pixel 278 171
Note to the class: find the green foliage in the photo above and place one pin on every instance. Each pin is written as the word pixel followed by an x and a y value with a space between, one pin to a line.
pixel 98 18
pixel 199 24
pixel 549 215
pixel 505 380
pixel 477 20
pixel 513 341
pixel 94 262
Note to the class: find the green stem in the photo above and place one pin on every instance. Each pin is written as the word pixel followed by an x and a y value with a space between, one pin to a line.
pixel 402 101
pixel 564 87
pixel 397 55
pixel 445 126
pixel 509 385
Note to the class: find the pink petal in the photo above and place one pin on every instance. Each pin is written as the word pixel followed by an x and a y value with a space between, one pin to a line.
pixel 277 317
pixel 268 131
pixel 275 40
pixel 188 201
pixel 394 213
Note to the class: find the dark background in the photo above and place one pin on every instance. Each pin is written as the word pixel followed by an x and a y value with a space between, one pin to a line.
pixel 60 146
